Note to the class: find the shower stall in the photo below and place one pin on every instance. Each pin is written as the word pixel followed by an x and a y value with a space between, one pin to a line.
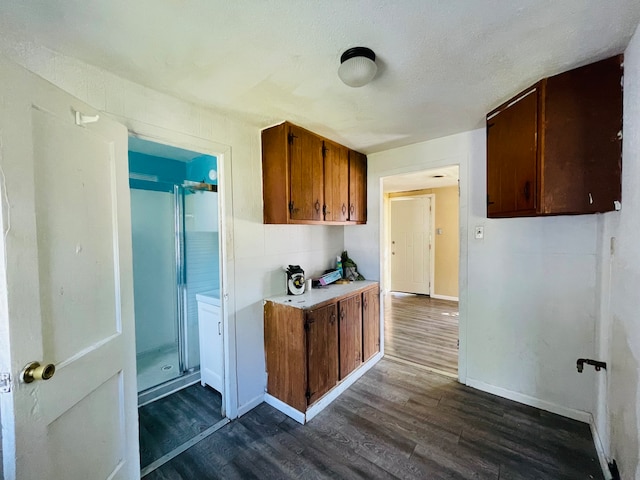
pixel 174 217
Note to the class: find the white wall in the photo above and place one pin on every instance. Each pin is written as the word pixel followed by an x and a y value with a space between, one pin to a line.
pixel 527 290
pixel 618 413
pixel 255 252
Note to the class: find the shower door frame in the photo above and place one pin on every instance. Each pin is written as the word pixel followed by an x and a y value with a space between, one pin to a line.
pixel 181 277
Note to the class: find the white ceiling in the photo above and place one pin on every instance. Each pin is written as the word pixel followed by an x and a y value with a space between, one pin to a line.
pixel 442 63
pixel 434 178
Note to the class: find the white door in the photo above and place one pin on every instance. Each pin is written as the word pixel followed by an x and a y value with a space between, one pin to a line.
pixel 66 290
pixel 410 236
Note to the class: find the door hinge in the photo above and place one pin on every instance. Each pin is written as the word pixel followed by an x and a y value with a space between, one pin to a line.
pixel 5 382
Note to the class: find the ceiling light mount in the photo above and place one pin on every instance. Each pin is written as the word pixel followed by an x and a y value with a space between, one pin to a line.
pixel 357 66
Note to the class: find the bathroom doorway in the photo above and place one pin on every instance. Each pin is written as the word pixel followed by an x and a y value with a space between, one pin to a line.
pixel 177 284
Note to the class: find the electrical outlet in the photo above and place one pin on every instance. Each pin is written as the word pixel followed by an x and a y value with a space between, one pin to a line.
pixel 479 232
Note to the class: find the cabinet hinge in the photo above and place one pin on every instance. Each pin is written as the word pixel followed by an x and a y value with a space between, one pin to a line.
pixel 308 394
pixel 5 382
pixel 290 138
pixel 306 326
pixel 290 208
pixel 324 151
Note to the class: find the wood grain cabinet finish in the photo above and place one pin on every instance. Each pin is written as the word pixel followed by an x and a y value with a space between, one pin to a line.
pixel 322 345
pixel 370 323
pixel 336 174
pixel 556 148
pixel 309 351
pixel 350 334
pixel 308 179
pixel 357 187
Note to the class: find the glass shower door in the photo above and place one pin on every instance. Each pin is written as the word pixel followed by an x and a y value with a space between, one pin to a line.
pixel 153 221
pixel 202 274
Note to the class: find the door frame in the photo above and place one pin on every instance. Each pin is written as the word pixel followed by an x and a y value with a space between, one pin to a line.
pixel 463 211
pixel 432 243
pixel 222 152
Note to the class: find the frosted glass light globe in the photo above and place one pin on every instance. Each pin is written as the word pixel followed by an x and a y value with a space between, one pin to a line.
pixel 357 67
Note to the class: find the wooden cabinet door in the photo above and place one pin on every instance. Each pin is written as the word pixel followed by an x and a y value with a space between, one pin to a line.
pixel 370 323
pixel 512 186
pixel 336 182
pixel 350 335
pixel 581 167
pixel 306 175
pixel 357 187
pixel 322 351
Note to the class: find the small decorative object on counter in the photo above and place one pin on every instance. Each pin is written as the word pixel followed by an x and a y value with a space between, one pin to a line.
pixel 350 269
pixel 295 280
pixel 329 277
pixel 339 265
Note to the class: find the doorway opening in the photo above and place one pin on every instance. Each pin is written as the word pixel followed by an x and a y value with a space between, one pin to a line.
pixel 177 284
pixel 420 268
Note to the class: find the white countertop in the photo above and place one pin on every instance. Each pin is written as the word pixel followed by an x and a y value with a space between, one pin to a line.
pixel 212 297
pixel 319 295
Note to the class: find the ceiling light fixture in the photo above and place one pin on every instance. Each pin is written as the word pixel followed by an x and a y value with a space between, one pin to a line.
pixel 357 66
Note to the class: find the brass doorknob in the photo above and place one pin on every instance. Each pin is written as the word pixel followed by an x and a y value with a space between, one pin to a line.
pixel 35 371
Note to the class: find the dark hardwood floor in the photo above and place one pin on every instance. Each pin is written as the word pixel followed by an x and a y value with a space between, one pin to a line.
pixel 397 421
pixel 171 421
pixel 422 330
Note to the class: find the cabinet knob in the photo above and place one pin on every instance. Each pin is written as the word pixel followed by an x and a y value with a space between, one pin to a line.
pixel 344 209
pixel 317 205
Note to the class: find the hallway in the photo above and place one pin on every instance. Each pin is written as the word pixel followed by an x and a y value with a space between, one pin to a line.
pixel 422 330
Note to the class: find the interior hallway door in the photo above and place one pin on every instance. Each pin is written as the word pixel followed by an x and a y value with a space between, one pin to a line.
pixel 66 287
pixel 410 236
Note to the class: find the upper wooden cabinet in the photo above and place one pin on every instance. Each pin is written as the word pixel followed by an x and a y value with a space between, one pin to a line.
pixel 357 187
pixel 556 147
pixel 336 175
pixel 309 179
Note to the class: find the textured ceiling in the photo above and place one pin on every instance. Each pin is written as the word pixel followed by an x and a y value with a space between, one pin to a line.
pixel 442 63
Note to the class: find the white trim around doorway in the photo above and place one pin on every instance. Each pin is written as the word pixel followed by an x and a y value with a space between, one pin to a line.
pixel 222 152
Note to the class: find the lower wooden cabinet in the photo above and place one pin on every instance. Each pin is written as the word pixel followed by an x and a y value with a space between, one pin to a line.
pixel 350 315
pixel 321 328
pixel 309 350
pixel 370 323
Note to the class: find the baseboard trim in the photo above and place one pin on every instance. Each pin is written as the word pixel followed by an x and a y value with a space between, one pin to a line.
pixel 572 413
pixel 444 297
pixel 288 410
pixel 250 405
pixel 329 397
pixel 602 457
pixel 321 404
